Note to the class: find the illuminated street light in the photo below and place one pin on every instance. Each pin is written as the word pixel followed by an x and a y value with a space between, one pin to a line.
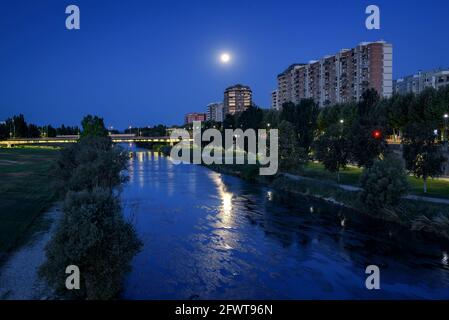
pixel 342 121
pixel 445 117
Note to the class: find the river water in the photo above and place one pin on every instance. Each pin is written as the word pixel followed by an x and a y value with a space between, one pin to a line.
pixel 212 236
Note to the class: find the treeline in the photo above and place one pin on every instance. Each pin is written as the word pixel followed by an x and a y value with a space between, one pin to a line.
pixel 159 130
pixel 356 133
pixel 92 234
pixel 17 127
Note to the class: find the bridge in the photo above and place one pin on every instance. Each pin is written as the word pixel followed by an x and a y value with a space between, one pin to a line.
pixel 116 138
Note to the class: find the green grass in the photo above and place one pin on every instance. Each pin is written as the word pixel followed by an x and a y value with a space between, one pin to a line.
pixel 25 191
pixel 438 188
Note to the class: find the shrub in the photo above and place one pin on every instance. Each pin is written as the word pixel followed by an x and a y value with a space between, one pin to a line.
pixel 93 236
pixel 91 163
pixel 383 184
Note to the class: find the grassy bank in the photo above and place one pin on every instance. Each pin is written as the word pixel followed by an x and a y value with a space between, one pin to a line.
pixel 435 187
pixel 415 215
pixel 25 191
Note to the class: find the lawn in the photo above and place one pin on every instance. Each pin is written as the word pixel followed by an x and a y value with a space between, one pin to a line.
pixel 25 191
pixel 435 187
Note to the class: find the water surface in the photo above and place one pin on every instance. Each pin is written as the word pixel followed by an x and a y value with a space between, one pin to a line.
pixel 211 236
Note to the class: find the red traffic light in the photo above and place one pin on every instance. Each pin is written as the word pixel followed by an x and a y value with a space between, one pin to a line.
pixel 377 134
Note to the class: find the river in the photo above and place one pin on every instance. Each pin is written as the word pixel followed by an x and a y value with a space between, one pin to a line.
pixel 212 236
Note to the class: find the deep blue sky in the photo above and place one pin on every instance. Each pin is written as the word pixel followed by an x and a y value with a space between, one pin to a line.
pixel 148 62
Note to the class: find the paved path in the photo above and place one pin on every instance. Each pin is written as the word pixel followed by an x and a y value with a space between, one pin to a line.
pixel 354 188
pixel 19 278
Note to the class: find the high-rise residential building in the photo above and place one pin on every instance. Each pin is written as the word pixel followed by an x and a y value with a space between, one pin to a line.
pixel 237 98
pixel 215 112
pixel 194 116
pixel 338 78
pixel 274 100
pixel 416 83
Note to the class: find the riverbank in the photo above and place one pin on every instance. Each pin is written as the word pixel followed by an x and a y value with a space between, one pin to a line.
pixel 26 191
pixel 19 279
pixel 436 188
pixel 413 213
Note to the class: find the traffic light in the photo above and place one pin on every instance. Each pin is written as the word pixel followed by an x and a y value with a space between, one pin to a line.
pixel 377 134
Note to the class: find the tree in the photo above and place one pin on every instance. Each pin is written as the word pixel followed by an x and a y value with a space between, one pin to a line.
pixel 332 149
pixel 270 119
pixel 290 154
pixel 368 130
pixel 94 237
pixel 229 121
pixel 33 131
pixel 251 118
pixel 18 127
pixel 93 126
pixel 422 153
pixel 303 116
pixel 4 133
pixel 384 183
pixel 92 162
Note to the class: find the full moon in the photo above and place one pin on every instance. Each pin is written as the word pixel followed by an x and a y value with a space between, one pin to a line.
pixel 225 58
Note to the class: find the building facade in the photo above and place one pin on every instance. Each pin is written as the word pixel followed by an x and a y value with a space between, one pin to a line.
pixel 274 100
pixel 237 98
pixel 339 78
pixel 215 112
pixel 420 81
pixel 194 116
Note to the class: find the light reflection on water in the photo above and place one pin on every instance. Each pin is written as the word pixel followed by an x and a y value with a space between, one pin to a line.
pixel 210 236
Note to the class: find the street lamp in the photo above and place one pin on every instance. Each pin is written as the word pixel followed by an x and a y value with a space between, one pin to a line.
pixel 342 121
pixel 445 117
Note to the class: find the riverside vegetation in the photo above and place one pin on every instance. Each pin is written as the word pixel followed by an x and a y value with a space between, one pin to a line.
pixel 342 136
pixel 92 233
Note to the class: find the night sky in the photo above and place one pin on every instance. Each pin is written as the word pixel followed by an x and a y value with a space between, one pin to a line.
pixel 142 63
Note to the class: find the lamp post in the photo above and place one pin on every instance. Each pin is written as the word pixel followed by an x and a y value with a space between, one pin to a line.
pixel 445 117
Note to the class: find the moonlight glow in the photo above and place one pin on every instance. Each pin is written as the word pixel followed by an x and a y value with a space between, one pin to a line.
pixel 225 58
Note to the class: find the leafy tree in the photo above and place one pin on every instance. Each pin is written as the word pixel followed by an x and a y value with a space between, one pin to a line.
pixel 303 116
pixel 270 119
pixel 17 126
pixel 33 131
pixel 67 130
pixel 398 111
pixel 290 154
pixel 422 153
pixel 93 236
pixel 332 148
pixel 251 118
pixel 229 122
pixel 4 133
pixel 93 126
pixel 92 162
pixel 384 183
pixel 368 130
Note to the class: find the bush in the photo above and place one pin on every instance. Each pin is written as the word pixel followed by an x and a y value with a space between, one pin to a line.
pixel 94 162
pixel 93 236
pixel 383 184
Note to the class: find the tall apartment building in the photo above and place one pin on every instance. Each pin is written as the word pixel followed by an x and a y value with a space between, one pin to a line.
pixel 339 78
pixel 194 116
pixel 416 83
pixel 215 112
pixel 274 100
pixel 237 98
